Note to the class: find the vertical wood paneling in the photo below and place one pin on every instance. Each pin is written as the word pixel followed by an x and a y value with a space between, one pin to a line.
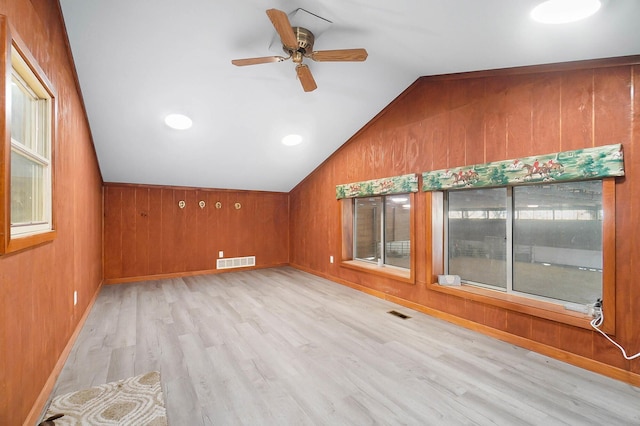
pixel 576 340
pixel 519 324
pixel 545 110
pixel 113 238
pixel 419 153
pixel 577 110
pixel 169 206
pixel 437 133
pixel 495 119
pixel 628 304
pixel 604 351
pixel 182 233
pixel 519 117
pixel 129 230
pixel 155 236
pixel 142 229
pixel 474 311
pixel 545 331
pixel 398 152
pixel 423 152
pixel 213 225
pixel 442 123
pixel 198 262
pixel 495 317
pixel 37 315
pixel 274 221
pixel 467 119
pixel 612 106
pixel 155 248
pixel 188 231
pixel 227 225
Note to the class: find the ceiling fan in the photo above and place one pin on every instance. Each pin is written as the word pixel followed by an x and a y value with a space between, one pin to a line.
pixel 297 42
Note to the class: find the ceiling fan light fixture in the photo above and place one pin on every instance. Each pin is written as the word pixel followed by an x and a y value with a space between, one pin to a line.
pixel 292 140
pixel 178 121
pixel 564 11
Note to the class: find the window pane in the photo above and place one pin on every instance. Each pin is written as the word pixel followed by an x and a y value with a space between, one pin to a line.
pixel 22 103
pixel 477 236
pixel 558 251
pixel 27 191
pixel 397 231
pixel 367 237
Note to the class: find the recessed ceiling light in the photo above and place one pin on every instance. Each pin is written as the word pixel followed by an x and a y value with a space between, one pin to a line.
pixel 564 11
pixel 291 140
pixel 178 121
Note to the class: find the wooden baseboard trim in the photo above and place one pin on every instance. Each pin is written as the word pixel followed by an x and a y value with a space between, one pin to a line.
pixel 550 351
pixel 38 406
pixel 109 281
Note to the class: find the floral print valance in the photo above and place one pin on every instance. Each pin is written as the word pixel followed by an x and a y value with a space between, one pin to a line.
pixel 588 163
pixel 390 185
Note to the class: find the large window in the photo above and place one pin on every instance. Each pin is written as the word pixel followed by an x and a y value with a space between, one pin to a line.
pixel 27 153
pixel 382 229
pixel 541 241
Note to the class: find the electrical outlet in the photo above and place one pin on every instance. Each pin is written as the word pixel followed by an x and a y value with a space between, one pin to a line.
pixel 221 254
pixel 75 298
pixel 330 259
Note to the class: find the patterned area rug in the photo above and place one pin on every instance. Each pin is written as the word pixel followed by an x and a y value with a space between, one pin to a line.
pixel 133 401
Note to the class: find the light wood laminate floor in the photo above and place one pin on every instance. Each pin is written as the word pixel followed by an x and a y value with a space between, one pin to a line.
pixel 282 347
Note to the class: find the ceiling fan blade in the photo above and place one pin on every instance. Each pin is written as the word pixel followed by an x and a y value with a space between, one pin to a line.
pixel 281 23
pixel 339 55
pixel 256 61
pixel 306 78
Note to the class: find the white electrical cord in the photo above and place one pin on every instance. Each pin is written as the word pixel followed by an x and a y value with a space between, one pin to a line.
pixel 597 322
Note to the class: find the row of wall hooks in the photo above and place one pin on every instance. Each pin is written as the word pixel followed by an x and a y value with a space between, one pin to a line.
pixel 182 204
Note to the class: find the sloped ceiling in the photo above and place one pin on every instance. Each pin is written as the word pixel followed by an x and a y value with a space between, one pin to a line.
pixel 138 60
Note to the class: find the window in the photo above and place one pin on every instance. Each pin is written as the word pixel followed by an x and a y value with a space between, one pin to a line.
pixel 377 226
pixel 27 154
pixel 382 227
pixel 540 241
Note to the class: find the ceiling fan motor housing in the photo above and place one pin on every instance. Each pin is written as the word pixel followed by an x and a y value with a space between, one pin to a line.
pixel 305 41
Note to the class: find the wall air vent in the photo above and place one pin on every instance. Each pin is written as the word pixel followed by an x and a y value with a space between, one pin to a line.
pixel 236 262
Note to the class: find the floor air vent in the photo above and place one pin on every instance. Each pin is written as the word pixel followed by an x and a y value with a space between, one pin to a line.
pixel 399 315
pixel 236 262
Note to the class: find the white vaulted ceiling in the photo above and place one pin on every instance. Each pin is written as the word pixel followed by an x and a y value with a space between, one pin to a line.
pixel 139 60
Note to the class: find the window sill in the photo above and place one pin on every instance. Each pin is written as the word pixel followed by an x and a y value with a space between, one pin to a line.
pixel 387 271
pixel 537 308
pixel 16 244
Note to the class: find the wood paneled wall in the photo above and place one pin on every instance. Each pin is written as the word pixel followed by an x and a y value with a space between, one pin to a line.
pixel 448 121
pixel 37 315
pixel 148 235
